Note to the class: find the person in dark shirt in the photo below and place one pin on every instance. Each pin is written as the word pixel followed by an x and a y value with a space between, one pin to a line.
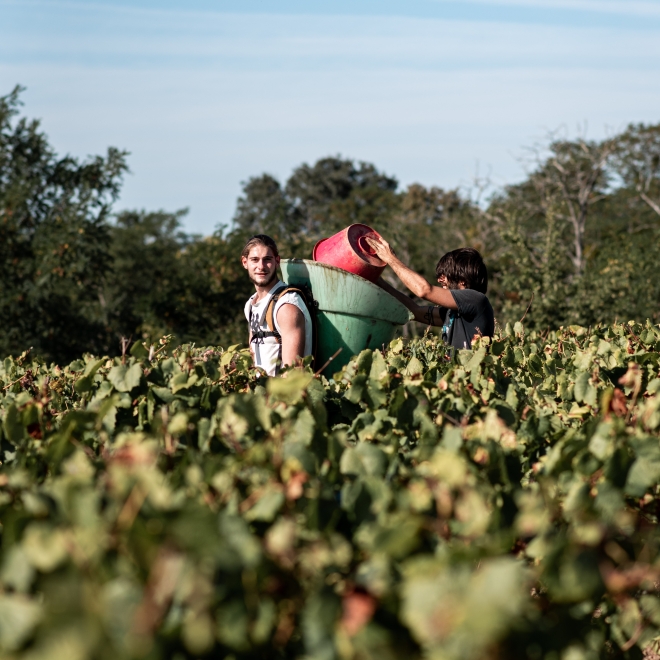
pixel 460 304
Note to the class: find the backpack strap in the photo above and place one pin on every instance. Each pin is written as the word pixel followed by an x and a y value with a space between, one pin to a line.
pixel 258 334
pixel 312 308
pixel 270 310
pixel 262 334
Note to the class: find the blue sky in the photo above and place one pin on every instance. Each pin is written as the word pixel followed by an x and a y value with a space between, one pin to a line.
pixel 205 94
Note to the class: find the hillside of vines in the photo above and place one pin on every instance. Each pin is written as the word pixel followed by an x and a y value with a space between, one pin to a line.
pixel 498 503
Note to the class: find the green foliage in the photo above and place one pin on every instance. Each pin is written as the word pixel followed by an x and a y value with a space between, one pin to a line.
pixel 316 201
pixel 582 233
pixel 165 281
pixel 75 278
pixel 53 240
pixel 498 503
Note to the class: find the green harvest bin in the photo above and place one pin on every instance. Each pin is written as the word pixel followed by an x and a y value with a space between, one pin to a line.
pixel 353 313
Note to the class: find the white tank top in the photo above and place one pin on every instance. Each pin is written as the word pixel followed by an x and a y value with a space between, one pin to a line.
pixel 267 350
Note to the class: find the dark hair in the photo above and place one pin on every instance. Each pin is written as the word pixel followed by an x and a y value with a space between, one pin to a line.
pixel 260 239
pixel 464 265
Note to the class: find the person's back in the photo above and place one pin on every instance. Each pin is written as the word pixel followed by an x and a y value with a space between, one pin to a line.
pixel 279 321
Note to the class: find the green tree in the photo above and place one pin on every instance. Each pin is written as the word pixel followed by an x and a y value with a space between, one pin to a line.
pixel 263 208
pixel 140 295
pixel 581 240
pixel 54 240
pixel 333 191
pixel 636 159
pixel 165 281
pixel 571 180
pixel 316 201
pixel 431 221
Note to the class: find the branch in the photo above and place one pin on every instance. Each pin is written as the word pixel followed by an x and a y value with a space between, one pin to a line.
pixel 528 306
pixel 650 202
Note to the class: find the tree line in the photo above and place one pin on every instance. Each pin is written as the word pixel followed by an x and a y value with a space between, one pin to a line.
pixel 576 242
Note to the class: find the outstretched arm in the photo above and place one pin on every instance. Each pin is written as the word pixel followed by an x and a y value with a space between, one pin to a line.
pixel 416 283
pixel 423 313
pixel 292 325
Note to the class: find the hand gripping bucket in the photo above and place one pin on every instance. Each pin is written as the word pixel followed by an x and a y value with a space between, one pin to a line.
pixel 350 251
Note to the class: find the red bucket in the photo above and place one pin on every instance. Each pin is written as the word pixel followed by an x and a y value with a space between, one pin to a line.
pixel 350 251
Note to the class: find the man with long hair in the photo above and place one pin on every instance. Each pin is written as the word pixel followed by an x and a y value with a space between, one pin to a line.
pixel 288 337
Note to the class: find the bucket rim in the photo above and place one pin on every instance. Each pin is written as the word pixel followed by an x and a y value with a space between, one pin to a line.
pixel 316 247
pixel 345 273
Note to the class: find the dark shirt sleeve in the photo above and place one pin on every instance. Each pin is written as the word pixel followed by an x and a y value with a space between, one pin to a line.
pixel 470 303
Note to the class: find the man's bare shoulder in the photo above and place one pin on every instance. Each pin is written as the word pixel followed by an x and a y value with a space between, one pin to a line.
pixel 290 315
